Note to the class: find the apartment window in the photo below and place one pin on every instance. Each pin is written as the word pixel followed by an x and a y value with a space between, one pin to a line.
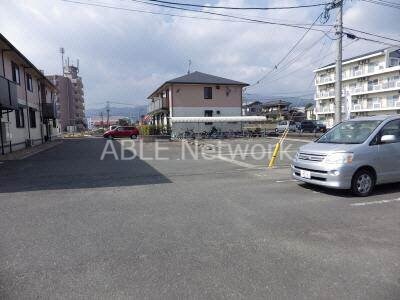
pixel 15 73
pixel 208 113
pixel 32 118
pixel 19 118
pixel 207 92
pixel 394 62
pixel 29 84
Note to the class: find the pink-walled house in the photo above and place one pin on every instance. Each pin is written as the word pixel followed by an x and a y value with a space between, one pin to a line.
pixel 196 95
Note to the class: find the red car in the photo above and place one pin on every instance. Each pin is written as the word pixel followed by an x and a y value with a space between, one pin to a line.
pixel 121 132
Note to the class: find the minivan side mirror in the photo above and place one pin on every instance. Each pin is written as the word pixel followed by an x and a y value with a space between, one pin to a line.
pixel 389 138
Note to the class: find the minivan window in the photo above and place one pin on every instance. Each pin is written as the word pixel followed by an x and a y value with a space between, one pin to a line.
pixel 392 128
pixel 351 132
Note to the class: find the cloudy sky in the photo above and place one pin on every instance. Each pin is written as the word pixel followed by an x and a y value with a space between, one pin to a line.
pixel 124 55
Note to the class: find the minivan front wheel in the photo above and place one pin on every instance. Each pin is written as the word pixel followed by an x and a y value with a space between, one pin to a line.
pixel 363 183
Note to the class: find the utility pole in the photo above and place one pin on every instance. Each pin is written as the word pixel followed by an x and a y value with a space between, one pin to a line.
pixel 338 69
pixel 108 113
pixel 102 120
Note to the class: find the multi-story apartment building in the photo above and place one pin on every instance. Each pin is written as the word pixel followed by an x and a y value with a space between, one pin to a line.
pixel 370 86
pixel 70 98
pixel 27 108
pixel 196 95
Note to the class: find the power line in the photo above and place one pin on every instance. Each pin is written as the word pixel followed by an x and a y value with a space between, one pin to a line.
pixel 387 4
pixel 352 36
pixel 238 8
pixel 289 52
pixel 102 5
pixel 372 34
pixel 320 59
pixel 289 64
pixel 226 15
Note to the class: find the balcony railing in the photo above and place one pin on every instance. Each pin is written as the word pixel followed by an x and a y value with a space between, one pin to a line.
pixel 158 105
pixel 8 94
pixel 347 74
pixel 325 79
pixel 384 86
pixel 324 94
pixel 390 104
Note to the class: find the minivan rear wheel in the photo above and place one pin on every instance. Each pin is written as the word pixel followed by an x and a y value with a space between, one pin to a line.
pixel 363 183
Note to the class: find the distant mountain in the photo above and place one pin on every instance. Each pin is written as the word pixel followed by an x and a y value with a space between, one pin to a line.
pixel 129 112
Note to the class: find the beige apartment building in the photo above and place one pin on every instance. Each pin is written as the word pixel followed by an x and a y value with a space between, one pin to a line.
pixel 28 116
pixel 196 95
pixel 70 98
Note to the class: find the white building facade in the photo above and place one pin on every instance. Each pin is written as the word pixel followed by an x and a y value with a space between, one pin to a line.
pixel 27 102
pixel 370 86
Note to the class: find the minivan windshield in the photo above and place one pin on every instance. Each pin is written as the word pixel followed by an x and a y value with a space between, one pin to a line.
pixel 350 132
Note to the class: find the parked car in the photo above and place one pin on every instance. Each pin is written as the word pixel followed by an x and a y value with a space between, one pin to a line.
pixel 356 154
pixel 321 127
pixel 311 126
pixel 282 125
pixel 121 132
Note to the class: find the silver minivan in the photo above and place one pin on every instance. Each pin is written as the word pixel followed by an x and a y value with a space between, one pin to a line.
pixel 356 154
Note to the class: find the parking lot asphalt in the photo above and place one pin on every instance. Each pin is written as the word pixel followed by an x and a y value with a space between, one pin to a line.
pixel 210 225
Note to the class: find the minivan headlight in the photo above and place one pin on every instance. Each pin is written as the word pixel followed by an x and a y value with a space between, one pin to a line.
pixel 339 158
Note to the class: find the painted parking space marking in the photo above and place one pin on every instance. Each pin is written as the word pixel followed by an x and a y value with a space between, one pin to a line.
pixel 286 180
pixel 235 162
pixel 375 202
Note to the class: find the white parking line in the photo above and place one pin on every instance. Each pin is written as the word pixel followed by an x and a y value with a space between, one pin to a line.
pixel 233 154
pixel 235 162
pixel 287 180
pixel 375 202
pixel 292 139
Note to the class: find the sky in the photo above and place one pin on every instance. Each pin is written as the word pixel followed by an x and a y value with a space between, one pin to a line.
pixel 125 55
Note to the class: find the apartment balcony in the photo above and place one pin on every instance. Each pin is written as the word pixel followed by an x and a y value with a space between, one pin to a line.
pixel 325 79
pixel 158 105
pixel 325 94
pixel 376 106
pixel 374 88
pixel 327 109
pixel 8 94
pixel 351 74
